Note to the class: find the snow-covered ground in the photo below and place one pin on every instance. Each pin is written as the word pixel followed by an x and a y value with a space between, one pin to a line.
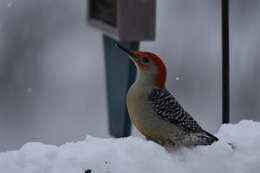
pixel 135 155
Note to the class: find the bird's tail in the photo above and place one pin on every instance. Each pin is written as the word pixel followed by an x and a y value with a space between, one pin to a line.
pixel 207 138
pixel 214 138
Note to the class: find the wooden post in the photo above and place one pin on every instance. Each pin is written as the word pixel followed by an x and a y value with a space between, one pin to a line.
pixel 120 74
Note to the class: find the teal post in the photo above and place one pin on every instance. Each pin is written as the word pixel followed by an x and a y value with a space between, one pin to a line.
pixel 120 74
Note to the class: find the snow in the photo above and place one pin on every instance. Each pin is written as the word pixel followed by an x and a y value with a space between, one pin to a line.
pixel 135 155
pixel 10 4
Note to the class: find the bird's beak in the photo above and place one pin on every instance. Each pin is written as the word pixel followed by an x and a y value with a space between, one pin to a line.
pixel 130 53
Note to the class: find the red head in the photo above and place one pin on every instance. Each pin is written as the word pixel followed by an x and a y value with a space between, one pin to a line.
pixel 150 64
pixel 151 68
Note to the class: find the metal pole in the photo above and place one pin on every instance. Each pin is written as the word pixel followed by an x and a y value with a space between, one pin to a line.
pixel 225 62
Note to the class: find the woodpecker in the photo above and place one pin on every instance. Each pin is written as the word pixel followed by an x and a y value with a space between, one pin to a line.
pixel 154 110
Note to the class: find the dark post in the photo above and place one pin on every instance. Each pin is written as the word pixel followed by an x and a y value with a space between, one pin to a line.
pixel 225 62
pixel 120 74
pixel 125 22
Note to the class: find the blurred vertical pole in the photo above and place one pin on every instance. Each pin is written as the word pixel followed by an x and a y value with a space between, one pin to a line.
pixel 225 62
pixel 120 74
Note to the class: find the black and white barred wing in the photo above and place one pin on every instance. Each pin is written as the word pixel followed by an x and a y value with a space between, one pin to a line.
pixel 168 108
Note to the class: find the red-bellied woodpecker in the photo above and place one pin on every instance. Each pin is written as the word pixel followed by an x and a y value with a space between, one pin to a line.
pixel 153 109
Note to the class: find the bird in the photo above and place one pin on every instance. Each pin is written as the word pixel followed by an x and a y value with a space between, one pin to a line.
pixel 154 110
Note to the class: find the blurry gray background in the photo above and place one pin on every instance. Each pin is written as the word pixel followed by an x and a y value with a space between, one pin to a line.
pixel 52 86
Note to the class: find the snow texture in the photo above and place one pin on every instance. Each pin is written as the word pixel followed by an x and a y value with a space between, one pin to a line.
pixel 135 155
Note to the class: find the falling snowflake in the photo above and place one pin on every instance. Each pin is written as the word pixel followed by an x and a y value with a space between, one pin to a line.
pixel 10 4
pixel 29 90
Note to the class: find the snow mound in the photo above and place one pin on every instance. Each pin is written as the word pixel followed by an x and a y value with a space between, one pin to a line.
pixel 134 155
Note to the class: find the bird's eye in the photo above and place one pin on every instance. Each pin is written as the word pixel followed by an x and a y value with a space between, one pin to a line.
pixel 145 60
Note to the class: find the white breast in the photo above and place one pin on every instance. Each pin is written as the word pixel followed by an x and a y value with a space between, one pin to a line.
pixel 142 115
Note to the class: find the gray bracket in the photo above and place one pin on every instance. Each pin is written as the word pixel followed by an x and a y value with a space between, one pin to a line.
pixel 125 20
